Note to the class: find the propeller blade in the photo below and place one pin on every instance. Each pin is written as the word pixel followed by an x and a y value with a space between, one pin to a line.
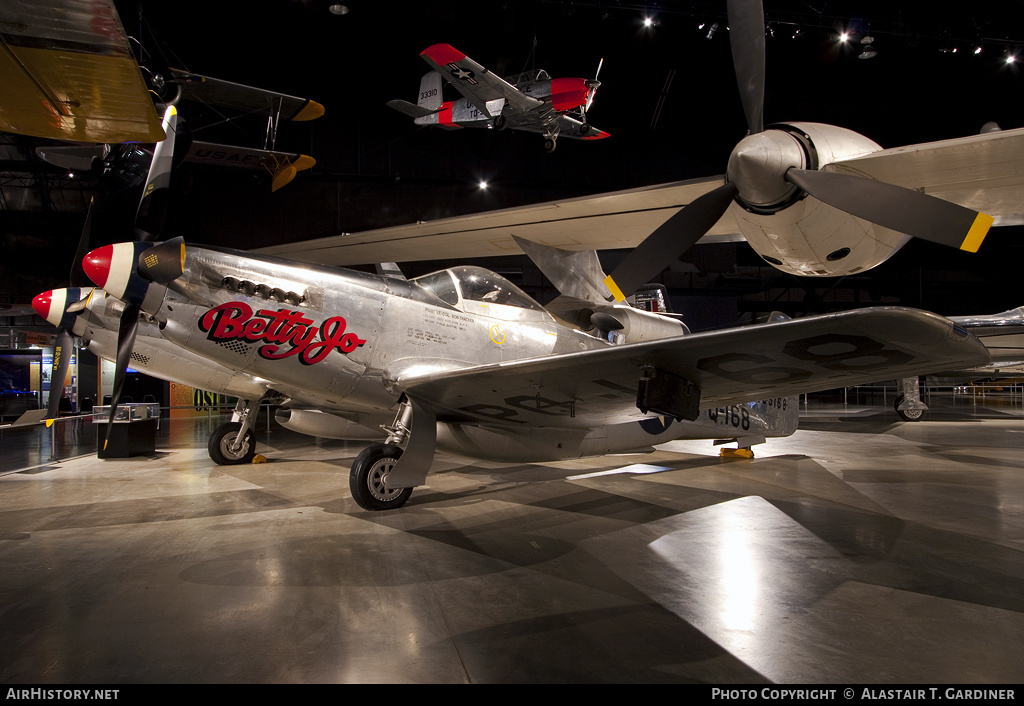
pixel 164 262
pixel 897 208
pixel 81 303
pixel 61 360
pixel 593 85
pixel 670 240
pixel 746 39
pixel 149 219
pixel 77 276
pixel 126 330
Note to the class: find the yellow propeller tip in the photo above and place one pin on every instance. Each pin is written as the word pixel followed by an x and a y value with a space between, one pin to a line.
pixel 977 232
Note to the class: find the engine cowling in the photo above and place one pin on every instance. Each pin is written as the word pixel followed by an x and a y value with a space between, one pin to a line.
pixel 795 232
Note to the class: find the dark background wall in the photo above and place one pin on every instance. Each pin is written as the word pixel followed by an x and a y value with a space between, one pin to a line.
pixel 668 98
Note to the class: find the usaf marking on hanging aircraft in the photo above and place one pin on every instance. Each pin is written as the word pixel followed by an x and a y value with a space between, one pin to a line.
pixel 811 199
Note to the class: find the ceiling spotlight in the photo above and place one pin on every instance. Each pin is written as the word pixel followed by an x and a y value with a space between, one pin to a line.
pixel 844 37
pixel 1010 58
pixel 648 22
pixel 482 185
pixel 977 50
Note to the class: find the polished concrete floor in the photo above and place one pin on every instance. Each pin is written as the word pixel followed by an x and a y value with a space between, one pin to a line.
pixel 860 550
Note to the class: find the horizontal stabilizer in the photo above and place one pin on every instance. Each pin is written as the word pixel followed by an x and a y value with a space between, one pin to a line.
pixel 410 109
pixel 29 418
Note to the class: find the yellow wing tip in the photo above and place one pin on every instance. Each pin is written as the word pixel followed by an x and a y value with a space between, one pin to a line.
pixel 977 233
pixel 311 111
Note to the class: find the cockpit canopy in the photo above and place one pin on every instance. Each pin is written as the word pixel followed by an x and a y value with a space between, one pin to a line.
pixel 474 289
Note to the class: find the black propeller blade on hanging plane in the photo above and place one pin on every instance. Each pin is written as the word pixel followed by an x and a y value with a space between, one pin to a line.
pixel 669 241
pixel 746 40
pixel 759 164
pixel 896 208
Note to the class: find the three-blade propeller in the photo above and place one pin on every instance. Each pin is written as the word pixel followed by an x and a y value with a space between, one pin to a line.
pixel 894 207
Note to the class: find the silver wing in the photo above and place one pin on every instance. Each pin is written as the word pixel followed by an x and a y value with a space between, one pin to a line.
pixel 765 361
pixel 618 219
pixel 981 172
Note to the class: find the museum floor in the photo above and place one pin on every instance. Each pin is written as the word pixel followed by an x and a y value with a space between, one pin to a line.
pixel 861 550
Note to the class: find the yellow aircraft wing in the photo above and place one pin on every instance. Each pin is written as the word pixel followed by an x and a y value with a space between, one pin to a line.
pixel 68 74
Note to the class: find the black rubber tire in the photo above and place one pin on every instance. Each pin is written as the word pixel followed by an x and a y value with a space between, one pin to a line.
pixel 220 442
pixel 908 415
pixel 500 122
pixel 549 145
pixel 368 478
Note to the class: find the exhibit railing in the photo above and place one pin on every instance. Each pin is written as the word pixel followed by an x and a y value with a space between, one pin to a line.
pixel 74 436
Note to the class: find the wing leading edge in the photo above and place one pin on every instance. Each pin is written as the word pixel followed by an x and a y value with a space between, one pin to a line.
pixel 763 361
pixel 620 219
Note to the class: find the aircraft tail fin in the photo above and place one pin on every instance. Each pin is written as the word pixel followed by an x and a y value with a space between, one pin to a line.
pixel 577 275
pixel 430 92
pixel 390 269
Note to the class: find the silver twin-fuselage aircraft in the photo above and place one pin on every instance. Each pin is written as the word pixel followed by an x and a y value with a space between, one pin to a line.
pixel 465 361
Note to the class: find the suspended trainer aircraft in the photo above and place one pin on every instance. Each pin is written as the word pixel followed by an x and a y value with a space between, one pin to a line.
pixel 531 101
pixel 811 199
pixel 463 360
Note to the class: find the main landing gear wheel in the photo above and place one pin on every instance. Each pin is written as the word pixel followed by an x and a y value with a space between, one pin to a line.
pixel 368 478
pixel 220 443
pixel 500 122
pixel 908 415
pixel 549 145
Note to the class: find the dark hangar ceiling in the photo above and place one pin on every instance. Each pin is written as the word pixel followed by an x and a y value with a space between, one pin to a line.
pixel 668 98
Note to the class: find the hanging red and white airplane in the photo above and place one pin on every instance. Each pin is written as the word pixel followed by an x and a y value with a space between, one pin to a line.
pixel 531 101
